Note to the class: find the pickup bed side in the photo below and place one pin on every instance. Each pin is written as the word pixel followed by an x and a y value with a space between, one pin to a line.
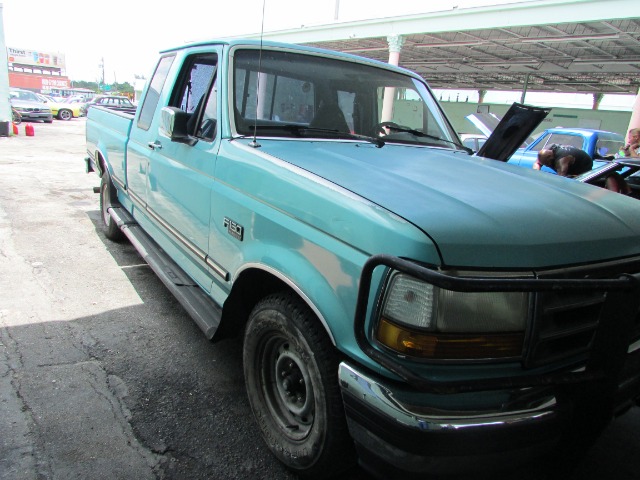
pixel 107 137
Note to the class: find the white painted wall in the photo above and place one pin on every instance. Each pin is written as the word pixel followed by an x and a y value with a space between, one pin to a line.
pixel 5 105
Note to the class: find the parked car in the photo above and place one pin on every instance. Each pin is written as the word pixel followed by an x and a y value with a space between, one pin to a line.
pixel 29 106
pixel 599 144
pixel 111 101
pixel 473 141
pixel 76 99
pixel 62 110
pixel 15 116
pixel 627 168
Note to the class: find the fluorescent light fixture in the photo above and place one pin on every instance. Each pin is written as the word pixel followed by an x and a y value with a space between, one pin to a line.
pixel 607 61
pixel 571 38
pixel 366 49
pixel 425 62
pixel 450 44
pixel 508 63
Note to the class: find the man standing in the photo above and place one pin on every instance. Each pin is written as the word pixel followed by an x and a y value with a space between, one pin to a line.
pixel 566 161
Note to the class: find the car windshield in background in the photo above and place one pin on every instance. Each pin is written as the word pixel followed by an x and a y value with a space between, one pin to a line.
pixel 608 144
pixel 298 95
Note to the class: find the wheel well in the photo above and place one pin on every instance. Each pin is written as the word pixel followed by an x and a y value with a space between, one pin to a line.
pixel 102 165
pixel 251 286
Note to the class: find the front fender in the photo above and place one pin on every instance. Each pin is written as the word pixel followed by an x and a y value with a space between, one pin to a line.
pixel 324 280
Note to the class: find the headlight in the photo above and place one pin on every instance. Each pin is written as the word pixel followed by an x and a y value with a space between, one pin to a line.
pixel 421 320
pixel 19 109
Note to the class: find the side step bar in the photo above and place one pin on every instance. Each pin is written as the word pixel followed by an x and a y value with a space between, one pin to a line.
pixel 204 311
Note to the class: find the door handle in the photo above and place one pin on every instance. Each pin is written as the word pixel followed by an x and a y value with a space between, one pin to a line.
pixel 155 145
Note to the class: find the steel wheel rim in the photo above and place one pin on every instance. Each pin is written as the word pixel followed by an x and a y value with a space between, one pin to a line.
pixel 106 218
pixel 287 387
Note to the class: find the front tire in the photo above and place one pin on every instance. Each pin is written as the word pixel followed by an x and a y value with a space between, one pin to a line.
pixel 108 198
pixel 291 375
pixel 65 114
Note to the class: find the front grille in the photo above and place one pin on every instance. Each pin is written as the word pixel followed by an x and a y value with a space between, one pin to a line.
pixel 565 326
pixel 565 323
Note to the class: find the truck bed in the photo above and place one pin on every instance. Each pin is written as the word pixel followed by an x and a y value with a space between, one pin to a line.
pixel 108 132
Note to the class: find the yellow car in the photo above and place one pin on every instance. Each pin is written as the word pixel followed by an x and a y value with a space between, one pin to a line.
pixel 61 109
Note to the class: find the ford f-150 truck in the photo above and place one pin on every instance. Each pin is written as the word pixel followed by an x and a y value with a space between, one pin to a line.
pixel 401 301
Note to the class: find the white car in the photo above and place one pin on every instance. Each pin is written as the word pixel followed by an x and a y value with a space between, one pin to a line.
pixel 473 140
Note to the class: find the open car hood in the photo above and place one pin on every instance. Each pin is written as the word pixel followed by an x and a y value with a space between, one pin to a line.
pixel 507 135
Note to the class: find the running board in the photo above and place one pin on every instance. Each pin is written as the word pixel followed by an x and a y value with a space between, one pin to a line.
pixel 204 311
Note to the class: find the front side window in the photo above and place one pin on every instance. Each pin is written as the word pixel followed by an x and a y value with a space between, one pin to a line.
pixel 196 94
pixel 280 93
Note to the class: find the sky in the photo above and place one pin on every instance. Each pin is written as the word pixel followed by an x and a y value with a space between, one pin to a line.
pixel 127 35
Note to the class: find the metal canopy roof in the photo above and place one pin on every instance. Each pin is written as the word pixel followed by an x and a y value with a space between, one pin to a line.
pixel 497 47
pixel 589 57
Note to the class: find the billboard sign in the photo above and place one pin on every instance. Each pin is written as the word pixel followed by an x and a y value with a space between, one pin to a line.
pixel 33 58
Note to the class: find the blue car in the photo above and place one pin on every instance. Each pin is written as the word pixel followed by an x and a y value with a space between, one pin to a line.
pixel 599 144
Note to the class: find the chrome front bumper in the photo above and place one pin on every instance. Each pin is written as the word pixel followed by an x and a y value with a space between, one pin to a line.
pixel 387 425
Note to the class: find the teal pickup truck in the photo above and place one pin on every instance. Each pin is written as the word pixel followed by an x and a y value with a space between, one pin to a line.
pixel 402 303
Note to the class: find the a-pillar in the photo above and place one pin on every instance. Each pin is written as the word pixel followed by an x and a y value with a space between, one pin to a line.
pixel 395 46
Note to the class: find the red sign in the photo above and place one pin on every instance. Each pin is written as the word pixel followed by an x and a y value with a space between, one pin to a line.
pixel 37 82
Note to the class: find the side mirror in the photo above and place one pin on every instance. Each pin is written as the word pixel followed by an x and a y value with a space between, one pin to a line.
pixel 173 124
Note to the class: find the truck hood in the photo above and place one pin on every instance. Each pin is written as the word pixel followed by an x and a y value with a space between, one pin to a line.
pixel 479 212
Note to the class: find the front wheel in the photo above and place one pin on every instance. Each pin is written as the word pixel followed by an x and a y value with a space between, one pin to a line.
pixel 291 375
pixel 65 114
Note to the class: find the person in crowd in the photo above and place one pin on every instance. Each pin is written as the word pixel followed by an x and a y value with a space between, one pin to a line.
pixel 617 184
pixel 632 148
pixel 565 160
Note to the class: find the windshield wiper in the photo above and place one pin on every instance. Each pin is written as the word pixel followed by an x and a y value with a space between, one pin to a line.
pixel 301 130
pixel 419 133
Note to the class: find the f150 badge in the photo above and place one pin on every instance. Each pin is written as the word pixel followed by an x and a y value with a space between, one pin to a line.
pixel 235 229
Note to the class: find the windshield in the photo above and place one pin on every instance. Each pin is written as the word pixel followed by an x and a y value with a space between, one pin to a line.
pixel 608 144
pixel 306 95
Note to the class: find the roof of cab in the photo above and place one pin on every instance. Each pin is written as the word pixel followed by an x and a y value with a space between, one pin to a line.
pixel 235 42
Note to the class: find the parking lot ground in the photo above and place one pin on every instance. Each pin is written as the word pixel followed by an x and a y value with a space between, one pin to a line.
pixel 102 373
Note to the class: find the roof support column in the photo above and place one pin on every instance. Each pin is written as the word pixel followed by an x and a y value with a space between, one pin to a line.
pixel 395 46
pixel 635 113
pixel 597 98
pixel 524 89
